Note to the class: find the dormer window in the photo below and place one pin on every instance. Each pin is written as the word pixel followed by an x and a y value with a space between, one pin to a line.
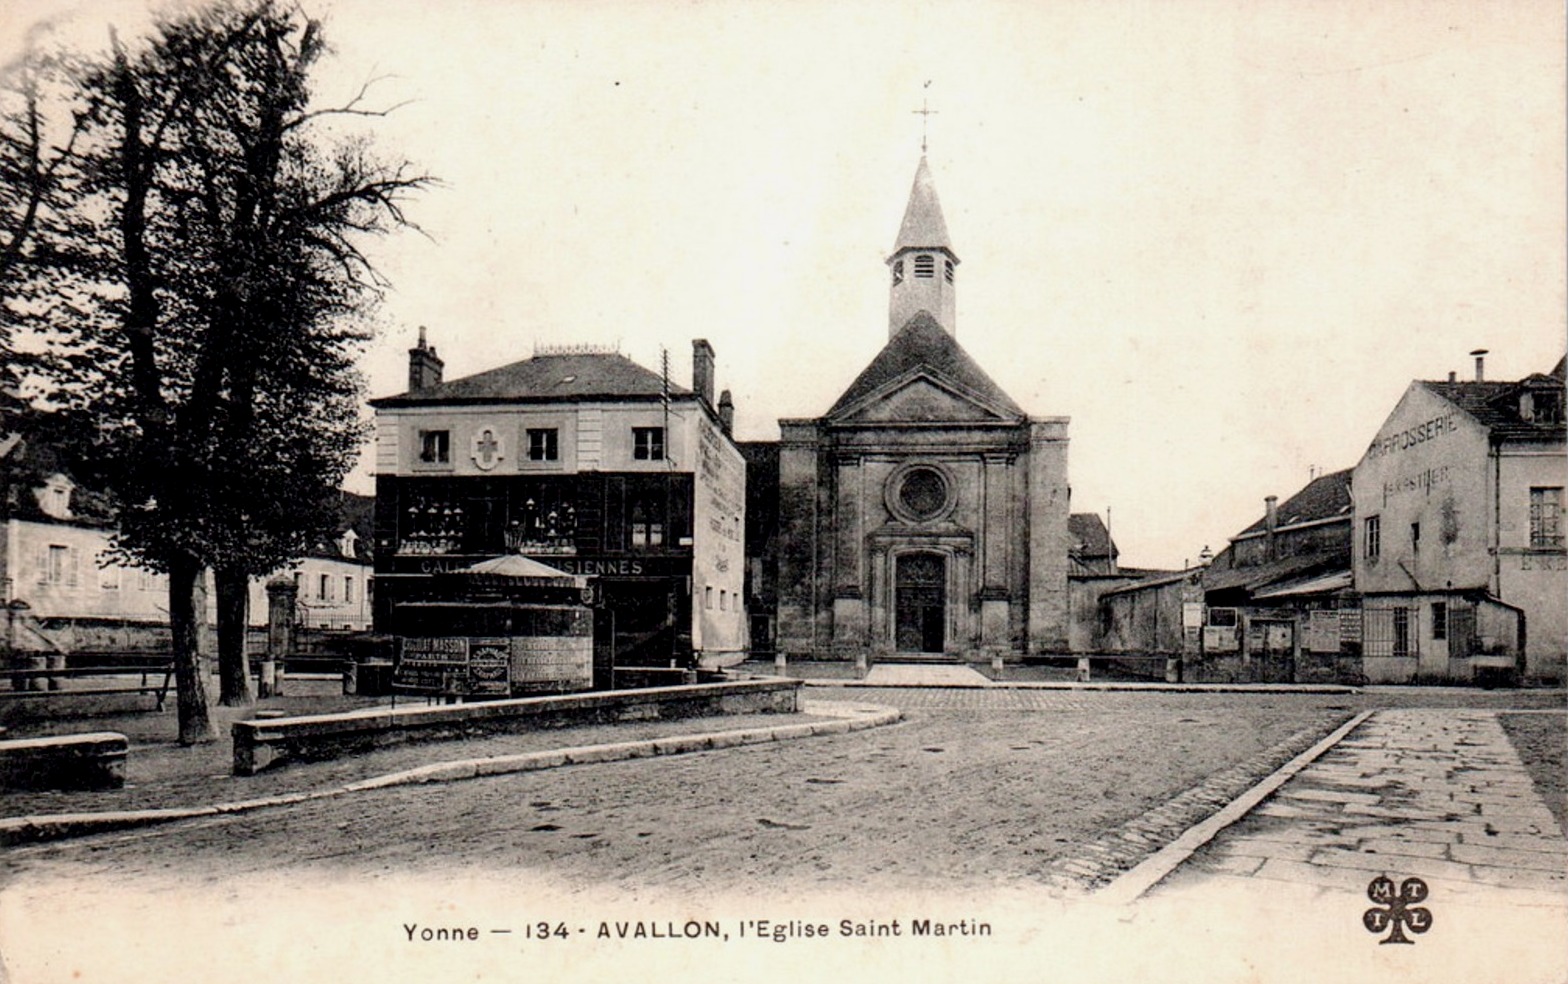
pixel 898 272
pixel 947 270
pixel 1547 406
pixel 925 266
pixel 54 497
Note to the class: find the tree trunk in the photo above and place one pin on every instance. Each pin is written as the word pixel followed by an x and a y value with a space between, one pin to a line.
pixel 185 622
pixel 233 588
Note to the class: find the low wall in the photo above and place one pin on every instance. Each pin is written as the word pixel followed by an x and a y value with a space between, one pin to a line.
pixel 266 744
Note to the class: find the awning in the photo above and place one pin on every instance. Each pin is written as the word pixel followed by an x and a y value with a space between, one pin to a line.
pixel 521 570
pixel 1322 584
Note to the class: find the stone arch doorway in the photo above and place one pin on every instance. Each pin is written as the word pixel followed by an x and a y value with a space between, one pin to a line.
pixel 920 603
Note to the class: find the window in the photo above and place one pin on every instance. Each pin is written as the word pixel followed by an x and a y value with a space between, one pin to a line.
pixel 648 443
pixel 543 445
pixel 724 600
pixel 947 270
pixel 1401 631
pixel 435 447
pixel 925 266
pixel 57 566
pixel 898 272
pixel 1372 537
pixel 1549 407
pixel 324 588
pixel 1546 516
pixel 1415 537
pixel 1222 617
pixel 647 526
pixel 1440 620
pixel 348 589
pixel 707 597
pixel 923 493
pixel 108 575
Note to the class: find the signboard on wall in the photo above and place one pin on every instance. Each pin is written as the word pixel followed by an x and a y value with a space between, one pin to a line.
pixel 1320 634
pixel 454 666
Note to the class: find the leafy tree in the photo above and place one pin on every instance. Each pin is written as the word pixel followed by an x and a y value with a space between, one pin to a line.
pixel 201 293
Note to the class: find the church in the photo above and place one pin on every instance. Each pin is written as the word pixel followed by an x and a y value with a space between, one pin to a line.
pixel 925 514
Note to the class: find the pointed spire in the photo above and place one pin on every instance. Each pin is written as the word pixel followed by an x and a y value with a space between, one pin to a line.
pixel 923 226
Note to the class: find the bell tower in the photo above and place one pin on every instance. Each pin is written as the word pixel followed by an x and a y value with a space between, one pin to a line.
pixel 923 266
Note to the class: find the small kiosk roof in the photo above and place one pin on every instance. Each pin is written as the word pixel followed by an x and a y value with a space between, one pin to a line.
pixel 517 568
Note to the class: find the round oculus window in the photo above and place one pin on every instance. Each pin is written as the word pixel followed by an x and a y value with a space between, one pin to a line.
pixel 923 493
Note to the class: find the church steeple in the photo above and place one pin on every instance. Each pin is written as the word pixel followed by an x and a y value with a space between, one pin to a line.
pixel 923 264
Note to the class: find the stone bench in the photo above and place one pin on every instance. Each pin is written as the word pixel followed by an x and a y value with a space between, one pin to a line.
pixel 89 761
pixel 262 744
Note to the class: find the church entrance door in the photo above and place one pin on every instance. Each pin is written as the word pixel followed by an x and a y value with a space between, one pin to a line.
pixel 921 603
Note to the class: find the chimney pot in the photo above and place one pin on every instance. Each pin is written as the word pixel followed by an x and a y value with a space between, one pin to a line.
pixel 727 413
pixel 1480 365
pixel 1270 521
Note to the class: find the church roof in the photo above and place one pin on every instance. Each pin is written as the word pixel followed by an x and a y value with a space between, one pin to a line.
pixel 923 227
pixel 924 344
pixel 577 376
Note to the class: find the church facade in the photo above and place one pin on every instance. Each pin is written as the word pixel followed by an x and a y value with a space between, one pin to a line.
pixel 925 514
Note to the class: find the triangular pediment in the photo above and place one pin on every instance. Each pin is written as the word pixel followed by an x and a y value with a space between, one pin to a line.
pixel 924 349
pixel 921 397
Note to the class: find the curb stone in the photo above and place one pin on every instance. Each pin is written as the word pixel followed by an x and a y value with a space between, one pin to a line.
pixel 849 717
pixel 1131 885
pixel 1172 688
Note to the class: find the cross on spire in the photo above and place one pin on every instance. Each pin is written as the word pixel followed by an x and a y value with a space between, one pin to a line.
pixel 925 113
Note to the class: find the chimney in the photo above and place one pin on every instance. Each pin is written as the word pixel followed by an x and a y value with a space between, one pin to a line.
pixel 424 366
pixel 1480 365
pixel 702 370
pixel 1453 377
pixel 727 413
pixel 1270 521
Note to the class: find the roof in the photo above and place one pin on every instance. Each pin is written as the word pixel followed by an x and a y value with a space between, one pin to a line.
pixel 923 226
pixel 576 376
pixel 924 344
pixel 1325 497
pixel 1495 405
pixel 1089 536
pixel 1257 576
pixel 1154 579
pixel 1303 587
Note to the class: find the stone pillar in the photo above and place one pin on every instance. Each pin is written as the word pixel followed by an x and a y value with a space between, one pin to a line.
pixel 282 598
pixel 1048 538
pixel 849 603
pixel 798 526
pixel 996 543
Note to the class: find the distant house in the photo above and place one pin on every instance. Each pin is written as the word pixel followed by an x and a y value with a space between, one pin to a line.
pixel 1275 594
pixel 56 558
pixel 1459 530
pixel 1090 549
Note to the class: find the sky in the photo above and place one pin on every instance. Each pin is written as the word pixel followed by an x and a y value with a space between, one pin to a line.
pixel 1221 237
